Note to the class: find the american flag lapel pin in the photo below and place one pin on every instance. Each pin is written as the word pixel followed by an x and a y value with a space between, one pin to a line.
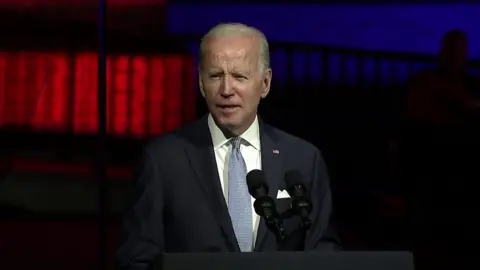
pixel 275 151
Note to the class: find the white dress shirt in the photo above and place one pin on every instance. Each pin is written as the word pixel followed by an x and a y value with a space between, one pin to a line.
pixel 250 149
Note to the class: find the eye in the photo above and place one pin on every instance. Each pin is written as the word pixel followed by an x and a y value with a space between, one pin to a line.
pixel 215 75
pixel 239 76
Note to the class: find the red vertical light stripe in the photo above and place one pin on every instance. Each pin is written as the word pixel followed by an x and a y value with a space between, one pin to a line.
pixel 38 109
pixel 32 89
pixel 110 95
pixel 173 110
pixel 139 97
pixel 190 92
pixel 60 71
pixel 3 87
pixel 80 124
pixel 11 88
pixel 156 95
pixel 77 94
pixel 85 115
pixel 120 92
pixel 92 93
pixel 21 89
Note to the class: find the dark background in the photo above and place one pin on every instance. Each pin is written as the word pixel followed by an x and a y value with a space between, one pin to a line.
pixel 345 99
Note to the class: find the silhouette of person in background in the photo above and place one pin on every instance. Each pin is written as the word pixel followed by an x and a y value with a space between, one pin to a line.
pixel 443 97
pixel 439 157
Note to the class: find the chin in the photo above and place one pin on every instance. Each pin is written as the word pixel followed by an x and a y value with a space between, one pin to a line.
pixel 228 121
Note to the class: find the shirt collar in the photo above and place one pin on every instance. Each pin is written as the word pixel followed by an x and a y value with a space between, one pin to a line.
pixel 251 135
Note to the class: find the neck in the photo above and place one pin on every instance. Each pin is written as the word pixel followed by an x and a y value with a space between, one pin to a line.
pixel 229 132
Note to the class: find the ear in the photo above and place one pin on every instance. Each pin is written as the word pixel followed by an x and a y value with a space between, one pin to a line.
pixel 267 80
pixel 200 83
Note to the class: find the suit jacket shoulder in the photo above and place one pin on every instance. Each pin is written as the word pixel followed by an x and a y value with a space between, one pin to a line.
pixel 176 140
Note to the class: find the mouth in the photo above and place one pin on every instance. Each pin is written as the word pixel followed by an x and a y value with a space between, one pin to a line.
pixel 228 108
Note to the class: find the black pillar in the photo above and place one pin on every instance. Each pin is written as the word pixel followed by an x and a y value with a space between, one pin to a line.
pixel 100 162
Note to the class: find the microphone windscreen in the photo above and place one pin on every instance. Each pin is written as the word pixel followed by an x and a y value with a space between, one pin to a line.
pixel 255 180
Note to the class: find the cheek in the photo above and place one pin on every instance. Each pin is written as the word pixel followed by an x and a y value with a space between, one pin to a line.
pixel 250 95
pixel 211 88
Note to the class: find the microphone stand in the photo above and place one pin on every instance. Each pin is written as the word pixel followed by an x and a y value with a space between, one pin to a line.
pixel 275 225
pixel 266 208
pixel 306 224
pixel 280 233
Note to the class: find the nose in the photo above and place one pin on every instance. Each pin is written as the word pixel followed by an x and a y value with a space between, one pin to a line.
pixel 226 88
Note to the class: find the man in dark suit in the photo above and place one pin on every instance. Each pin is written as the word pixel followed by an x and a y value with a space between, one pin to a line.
pixel 187 197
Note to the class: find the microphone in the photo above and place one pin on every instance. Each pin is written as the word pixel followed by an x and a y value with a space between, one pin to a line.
pixel 264 205
pixel 301 205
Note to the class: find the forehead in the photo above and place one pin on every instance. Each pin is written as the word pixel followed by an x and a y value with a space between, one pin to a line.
pixel 238 47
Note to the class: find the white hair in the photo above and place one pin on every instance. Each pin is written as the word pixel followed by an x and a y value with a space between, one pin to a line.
pixel 231 29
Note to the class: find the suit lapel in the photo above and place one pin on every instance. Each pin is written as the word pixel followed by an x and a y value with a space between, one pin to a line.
pixel 272 166
pixel 202 159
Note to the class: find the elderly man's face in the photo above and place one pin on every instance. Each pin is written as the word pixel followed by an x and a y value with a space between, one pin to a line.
pixel 232 81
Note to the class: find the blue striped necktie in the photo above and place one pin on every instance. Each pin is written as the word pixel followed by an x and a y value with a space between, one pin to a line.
pixel 239 199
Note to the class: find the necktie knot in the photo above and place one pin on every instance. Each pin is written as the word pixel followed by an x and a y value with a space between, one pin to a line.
pixel 236 142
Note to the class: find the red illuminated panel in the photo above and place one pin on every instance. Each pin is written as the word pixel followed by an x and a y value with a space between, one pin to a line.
pixel 173 105
pixel 156 96
pixel 20 89
pixel 146 95
pixel 42 80
pixel 85 93
pixel 50 108
pixel 139 96
pixel 110 82
pixel 120 95
pixel 20 99
pixel 58 114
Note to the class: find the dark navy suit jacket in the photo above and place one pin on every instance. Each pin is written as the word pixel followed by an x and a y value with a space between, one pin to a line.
pixel 178 204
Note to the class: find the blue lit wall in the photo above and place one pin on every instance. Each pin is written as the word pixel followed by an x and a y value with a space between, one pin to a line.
pixel 412 27
pixel 416 28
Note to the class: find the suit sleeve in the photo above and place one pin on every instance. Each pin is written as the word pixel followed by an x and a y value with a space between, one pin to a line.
pixel 322 234
pixel 142 238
